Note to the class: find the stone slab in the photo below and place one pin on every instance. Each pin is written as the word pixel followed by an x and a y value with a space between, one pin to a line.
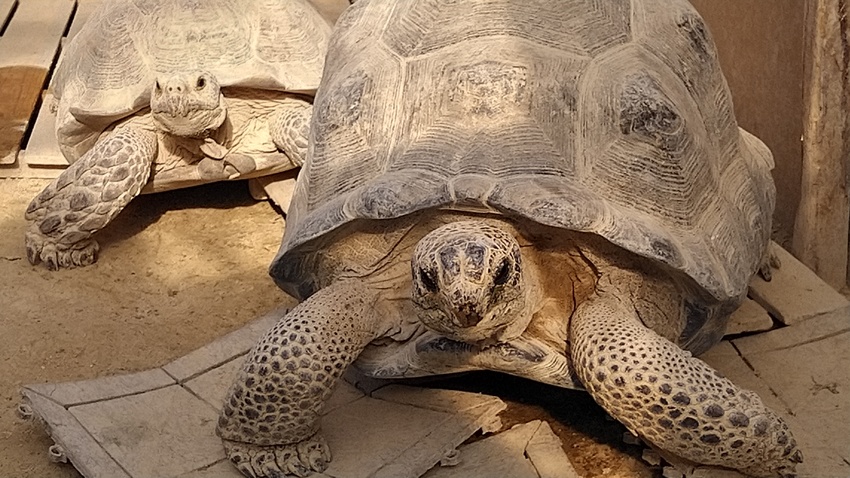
pixel 115 427
pixel 529 450
pixel 795 293
pixel 165 432
pixel 86 391
pixel 802 372
pixel 89 458
pixel 749 317
pixel 546 453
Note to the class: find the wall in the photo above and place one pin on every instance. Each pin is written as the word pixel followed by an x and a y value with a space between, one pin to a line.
pixel 760 43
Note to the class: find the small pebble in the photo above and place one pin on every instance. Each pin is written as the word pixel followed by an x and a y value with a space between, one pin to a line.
pixel 670 472
pixel 651 456
pixel 630 439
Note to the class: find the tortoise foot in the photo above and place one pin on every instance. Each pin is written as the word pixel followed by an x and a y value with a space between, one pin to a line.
pixel 278 461
pixel 55 257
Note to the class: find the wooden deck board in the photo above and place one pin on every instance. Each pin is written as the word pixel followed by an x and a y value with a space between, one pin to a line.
pixel 27 50
pixel 6 8
pixel 42 148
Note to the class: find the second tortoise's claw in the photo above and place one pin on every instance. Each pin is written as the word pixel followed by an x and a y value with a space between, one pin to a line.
pixel 279 461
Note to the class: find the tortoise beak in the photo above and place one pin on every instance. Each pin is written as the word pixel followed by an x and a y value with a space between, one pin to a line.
pixel 466 316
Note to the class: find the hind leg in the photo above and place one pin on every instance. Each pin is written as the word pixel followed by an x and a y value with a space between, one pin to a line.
pixel 85 197
pixel 675 401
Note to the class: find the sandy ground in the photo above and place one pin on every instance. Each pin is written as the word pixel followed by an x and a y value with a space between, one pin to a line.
pixel 176 271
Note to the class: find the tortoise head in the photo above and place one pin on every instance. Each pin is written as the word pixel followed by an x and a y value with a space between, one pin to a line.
pixel 468 283
pixel 188 104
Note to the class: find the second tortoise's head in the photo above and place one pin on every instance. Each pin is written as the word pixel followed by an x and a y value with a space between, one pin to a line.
pixel 468 282
pixel 188 104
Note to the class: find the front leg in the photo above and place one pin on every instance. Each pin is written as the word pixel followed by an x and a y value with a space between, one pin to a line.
pixel 270 420
pixel 86 196
pixel 290 128
pixel 675 401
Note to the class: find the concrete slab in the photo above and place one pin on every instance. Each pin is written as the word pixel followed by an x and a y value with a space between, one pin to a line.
pixel 803 372
pixel 795 293
pixel 750 317
pixel 529 450
pixel 161 423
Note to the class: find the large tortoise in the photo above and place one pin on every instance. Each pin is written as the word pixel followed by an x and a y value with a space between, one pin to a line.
pixel 163 94
pixel 556 190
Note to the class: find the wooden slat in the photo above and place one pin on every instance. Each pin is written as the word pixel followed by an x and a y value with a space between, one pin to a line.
pixel 6 7
pixel 821 229
pixel 27 50
pixel 42 148
pixel 84 10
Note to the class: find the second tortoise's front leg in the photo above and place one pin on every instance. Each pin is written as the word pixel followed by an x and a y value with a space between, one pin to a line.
pixel 270 420
pixel 86 196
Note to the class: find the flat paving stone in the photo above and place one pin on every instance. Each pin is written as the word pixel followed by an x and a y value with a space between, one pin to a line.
pixel 165 432
pixel 158 424
pixel 529 450
pixel 749 317
pixel 803 372
pixel 795 293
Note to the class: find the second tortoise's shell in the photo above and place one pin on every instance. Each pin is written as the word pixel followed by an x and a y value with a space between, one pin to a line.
pixel 108 69
pixel 605 117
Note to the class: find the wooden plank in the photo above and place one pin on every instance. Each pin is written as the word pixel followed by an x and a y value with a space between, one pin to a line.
pixel 795 293
pixel 438 442
pixel 27 51
pixel 808 367
pixel 42 148
pixel 21 170
pixel 821 230
pixel 6 8
pixel 84 11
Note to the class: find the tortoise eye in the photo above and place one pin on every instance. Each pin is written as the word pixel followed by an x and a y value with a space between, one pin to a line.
pixel 202 82
pixel 502 273
pixel 427 279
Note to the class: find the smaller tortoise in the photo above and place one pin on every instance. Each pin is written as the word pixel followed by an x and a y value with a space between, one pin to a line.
pixel 556 190
pixel 165 94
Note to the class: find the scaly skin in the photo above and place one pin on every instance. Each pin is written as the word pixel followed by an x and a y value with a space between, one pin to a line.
pixel 673 400
pixel 270 420
pixel 290 128
pixel 86 196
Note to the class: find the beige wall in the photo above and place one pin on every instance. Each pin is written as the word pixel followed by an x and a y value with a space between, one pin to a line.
pixel 760 43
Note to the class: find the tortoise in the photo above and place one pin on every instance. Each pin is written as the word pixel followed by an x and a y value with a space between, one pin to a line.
pixel 165 94
pixel 554 190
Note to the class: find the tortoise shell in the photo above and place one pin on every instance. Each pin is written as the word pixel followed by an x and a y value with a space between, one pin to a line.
pixel 108 69
pixel 611 118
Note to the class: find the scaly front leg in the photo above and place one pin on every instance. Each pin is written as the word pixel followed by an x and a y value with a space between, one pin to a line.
pixel 86 196
pixel 677 402
pixel 270 420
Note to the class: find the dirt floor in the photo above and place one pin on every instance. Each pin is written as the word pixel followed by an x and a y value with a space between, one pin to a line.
pixel 176 271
